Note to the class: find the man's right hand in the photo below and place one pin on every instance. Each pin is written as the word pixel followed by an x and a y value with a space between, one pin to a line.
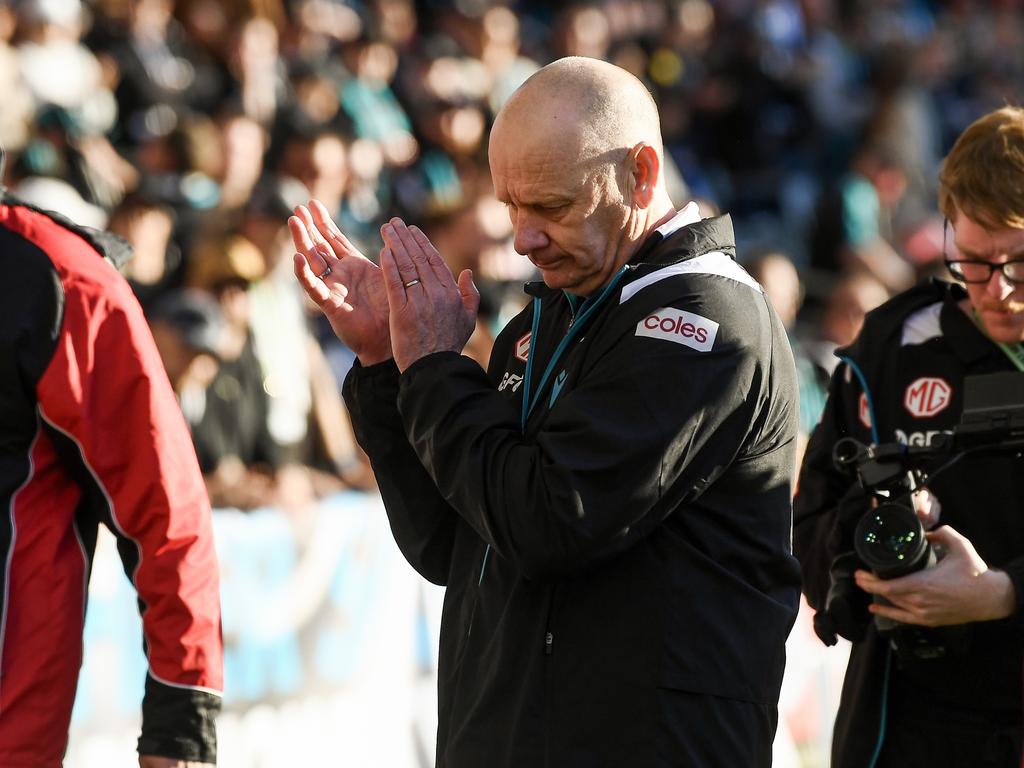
pixel 352 295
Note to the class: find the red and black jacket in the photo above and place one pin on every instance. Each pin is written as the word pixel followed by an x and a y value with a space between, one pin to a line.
pixel 90 432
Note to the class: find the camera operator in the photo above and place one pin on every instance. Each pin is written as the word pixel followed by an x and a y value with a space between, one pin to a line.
pixel 932 702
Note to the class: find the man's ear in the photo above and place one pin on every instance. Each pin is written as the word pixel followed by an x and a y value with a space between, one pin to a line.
pixel 644 169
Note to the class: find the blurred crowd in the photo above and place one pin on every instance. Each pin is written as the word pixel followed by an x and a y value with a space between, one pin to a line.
pixel 192 127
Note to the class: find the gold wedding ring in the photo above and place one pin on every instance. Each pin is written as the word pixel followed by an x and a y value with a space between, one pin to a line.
pixel 411 283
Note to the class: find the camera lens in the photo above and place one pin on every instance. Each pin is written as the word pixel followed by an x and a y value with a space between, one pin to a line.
pixel 891 541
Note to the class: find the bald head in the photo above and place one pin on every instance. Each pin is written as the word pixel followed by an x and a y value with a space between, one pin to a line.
pixel 589 107
pixel 576 157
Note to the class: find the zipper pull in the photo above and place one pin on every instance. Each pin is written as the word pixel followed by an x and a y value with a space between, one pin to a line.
pixel 549 640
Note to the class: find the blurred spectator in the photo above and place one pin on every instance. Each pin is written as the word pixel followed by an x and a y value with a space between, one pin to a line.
pixel 16 116
pixel 306 415
pixel 851 298
pixel 370 103
pixel 854 227
pixel 260 86
pixel 781 282
pixel 243 144
pixel 236 451
pixel 187 327
pixel 161 73
pixel 50 43
pixel 148 227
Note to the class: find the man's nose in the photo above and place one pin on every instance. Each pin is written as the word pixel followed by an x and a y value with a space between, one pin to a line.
pixel 998 286
pixel 529 234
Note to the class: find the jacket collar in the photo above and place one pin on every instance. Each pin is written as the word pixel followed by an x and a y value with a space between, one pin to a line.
pixel 684 236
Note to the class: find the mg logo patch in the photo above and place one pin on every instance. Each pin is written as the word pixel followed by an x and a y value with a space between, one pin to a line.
pixel 681 327
pixel 927 396
pixel 522 348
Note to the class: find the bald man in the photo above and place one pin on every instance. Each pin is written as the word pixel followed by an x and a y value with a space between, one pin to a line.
pixel 608 504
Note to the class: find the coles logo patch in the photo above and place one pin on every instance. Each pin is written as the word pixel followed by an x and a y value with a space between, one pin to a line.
pixel 863 412
pixel 522 348
pixel 681 327
pixel 927 396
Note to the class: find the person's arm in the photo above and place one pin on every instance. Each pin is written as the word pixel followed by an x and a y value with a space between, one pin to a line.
pixel 422 522
pixel 650 424
pixel 106 392
pixel 616 455
pixel 961 588
pixel 828 503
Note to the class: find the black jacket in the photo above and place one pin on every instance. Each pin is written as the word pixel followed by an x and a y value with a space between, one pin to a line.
pixel 914 353
pixel 620 583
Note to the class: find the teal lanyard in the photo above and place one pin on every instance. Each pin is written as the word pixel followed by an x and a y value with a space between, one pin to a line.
pixel 588 308
pixel 1014 352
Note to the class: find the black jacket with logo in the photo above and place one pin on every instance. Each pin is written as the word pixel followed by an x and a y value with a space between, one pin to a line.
pixel 619 576
pixel 914 353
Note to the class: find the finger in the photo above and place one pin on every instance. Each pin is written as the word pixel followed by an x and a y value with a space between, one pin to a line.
pixel 946 536
pixel 399 252
pixel 926 506
pixel 871 583
pixel 321 246
pixel 329 230
pixel 469 292
pixel 393 283
pixel 318 254
pixel 434 261
pixel 895 613
pixel 315 288
pixel 300 236
pixel 307 219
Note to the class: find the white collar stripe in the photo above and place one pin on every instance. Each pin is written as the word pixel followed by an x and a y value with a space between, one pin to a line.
pixel 922 325
pixel 712 263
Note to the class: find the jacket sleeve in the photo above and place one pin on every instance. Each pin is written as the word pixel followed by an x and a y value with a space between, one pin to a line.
pixel 828 502
pixel 422 522
pixel 105 389
pixel 645 429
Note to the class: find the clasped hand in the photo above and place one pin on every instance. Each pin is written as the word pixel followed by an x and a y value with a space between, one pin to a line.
pixel 408 307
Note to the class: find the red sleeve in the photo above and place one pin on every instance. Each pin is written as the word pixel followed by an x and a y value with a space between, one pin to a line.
pixel 105 388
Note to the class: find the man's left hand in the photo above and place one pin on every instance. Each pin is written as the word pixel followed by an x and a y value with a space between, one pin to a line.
pixel 960 588
pixel 152 761
pixel 430 311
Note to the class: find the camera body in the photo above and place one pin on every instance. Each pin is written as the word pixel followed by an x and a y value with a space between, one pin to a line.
pixel 888 538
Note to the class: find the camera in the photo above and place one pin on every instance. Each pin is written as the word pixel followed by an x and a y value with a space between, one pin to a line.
pixel 889 538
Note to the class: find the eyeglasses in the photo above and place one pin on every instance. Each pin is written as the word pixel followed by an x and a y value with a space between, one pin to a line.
pixel 981 271
pixel 976 271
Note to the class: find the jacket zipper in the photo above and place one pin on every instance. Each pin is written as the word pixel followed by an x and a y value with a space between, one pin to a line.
pixel 549 635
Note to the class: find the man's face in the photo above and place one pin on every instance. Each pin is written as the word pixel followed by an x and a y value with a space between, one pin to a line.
pixel 568 217
pixel 998 302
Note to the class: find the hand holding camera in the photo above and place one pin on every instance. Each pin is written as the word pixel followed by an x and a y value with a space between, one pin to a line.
pixel 960 588
pixel 909 580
